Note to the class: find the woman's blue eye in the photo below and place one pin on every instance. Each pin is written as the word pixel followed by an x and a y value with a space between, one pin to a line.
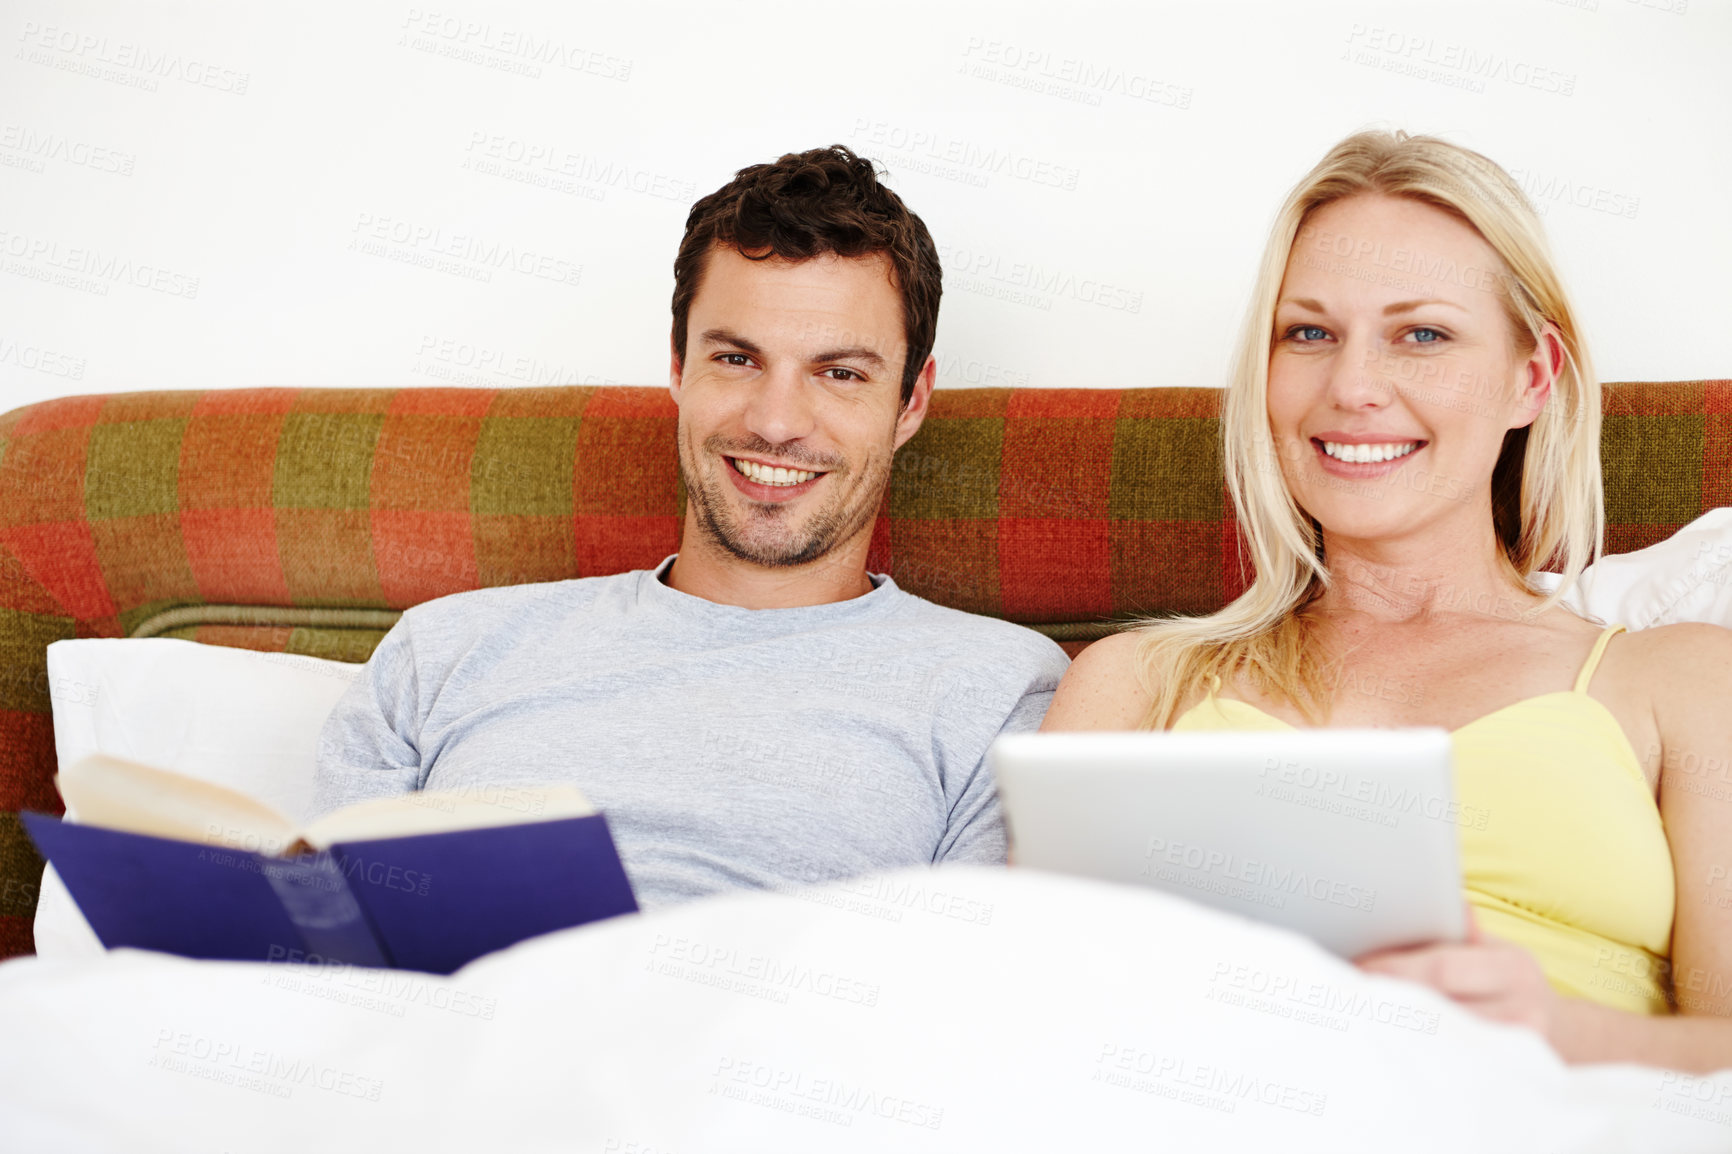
pixel 1308 333
pixel 1427 336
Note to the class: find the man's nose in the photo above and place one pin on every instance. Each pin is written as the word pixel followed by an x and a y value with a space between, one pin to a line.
pixel 780 408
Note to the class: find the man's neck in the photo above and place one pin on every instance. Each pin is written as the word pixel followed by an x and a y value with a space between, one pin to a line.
pixel 705 570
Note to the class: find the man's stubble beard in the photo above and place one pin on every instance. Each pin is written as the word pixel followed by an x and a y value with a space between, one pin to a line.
pixel 834 524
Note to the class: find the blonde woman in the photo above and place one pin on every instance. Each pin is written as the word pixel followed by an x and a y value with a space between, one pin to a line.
pixel 1412 432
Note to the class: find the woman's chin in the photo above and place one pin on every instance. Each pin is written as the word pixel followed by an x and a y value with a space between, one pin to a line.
pixel 1366 519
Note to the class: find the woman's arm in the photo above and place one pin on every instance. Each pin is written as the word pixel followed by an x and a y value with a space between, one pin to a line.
pixel 1101 689
pixel 1689 668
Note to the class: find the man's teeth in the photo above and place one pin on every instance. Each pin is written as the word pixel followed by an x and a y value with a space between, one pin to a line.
pixel 767 475
pixel 1369 454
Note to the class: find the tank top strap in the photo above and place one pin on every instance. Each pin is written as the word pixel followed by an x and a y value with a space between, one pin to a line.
pixel 1594 655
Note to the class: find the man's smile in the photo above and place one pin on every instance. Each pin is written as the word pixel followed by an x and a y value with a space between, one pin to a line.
pixel 766 481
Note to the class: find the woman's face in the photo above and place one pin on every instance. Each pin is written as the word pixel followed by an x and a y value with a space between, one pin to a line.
pixel 1393 373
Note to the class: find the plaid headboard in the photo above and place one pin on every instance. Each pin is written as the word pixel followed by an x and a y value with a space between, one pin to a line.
pixel 304 519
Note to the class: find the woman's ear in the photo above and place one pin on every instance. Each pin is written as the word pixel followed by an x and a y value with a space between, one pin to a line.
pixel 1538 374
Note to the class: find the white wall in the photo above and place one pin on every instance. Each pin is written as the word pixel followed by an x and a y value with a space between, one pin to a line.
pixel 228 194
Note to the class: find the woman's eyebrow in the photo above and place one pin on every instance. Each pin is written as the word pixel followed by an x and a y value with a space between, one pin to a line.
pixel 1409 306
pixel 1312 306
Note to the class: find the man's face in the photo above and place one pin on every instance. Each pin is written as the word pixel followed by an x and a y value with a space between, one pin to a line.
pixel 790 393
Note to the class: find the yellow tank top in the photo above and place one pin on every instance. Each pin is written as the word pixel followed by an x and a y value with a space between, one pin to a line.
pixel 1562 849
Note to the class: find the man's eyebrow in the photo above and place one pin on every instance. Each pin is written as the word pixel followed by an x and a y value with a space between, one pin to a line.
pixel 729 337
pixel 854 353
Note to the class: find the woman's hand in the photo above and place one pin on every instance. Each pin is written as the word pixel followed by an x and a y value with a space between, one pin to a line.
pixel 1491 977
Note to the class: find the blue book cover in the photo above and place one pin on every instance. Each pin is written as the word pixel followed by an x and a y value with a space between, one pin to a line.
pixel 430 901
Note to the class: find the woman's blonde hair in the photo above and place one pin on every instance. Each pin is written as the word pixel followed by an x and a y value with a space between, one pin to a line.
pixel 1545 489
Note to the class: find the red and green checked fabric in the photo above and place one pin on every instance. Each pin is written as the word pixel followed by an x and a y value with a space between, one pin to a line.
pixel 266 518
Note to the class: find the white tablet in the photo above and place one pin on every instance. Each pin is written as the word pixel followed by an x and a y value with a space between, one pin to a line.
pixel 1347 835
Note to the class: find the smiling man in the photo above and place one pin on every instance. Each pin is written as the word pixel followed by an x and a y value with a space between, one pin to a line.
pixel 758 710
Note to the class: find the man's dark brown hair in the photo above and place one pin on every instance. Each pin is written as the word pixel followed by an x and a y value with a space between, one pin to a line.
pixel 823 200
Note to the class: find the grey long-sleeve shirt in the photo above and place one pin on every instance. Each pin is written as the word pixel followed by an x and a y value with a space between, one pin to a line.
pixel 728 747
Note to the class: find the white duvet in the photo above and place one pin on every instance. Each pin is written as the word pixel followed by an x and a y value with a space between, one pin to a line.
pixel 963 1009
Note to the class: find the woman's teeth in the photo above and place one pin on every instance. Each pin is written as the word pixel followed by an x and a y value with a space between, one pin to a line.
pixel 1369 454
pixel 768 475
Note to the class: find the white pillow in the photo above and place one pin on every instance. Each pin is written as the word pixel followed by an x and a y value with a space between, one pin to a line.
pixel 247 720
pixel 1686 577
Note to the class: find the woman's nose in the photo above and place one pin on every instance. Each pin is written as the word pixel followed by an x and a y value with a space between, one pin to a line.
pixel 1360 376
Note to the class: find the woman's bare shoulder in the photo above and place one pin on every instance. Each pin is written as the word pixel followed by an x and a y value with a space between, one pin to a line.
pixel 1690 661
pixel 1102 689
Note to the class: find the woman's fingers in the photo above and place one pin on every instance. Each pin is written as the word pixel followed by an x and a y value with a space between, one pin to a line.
pixel 1471 971
pixel 1493 979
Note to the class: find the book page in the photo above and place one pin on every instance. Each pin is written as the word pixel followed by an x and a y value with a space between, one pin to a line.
pixel 444 811
pixel 125 795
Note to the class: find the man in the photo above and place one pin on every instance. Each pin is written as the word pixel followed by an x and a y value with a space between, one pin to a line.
pixel 756 711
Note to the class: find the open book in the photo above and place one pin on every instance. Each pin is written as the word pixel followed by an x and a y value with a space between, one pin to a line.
pixel 424 881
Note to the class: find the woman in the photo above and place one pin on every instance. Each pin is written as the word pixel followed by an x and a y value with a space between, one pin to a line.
pixel 1412 432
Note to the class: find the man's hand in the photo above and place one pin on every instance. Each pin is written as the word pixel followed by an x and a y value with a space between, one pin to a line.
pixel 1491 977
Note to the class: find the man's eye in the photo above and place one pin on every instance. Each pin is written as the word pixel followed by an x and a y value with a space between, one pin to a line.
pixel 734 359
pixel 841 374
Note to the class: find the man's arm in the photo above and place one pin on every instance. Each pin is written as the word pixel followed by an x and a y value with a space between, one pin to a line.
pixel 368 748
pixel 976 829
